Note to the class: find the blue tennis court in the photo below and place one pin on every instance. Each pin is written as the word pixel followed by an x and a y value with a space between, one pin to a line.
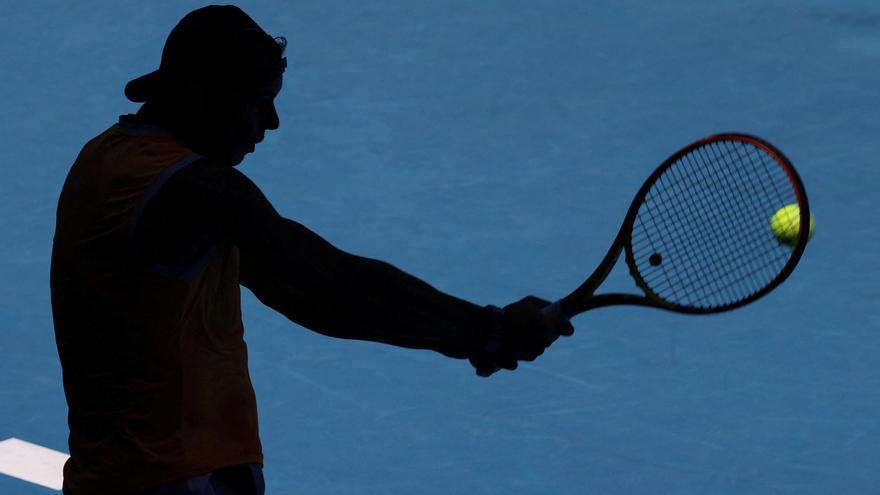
pixel 492 149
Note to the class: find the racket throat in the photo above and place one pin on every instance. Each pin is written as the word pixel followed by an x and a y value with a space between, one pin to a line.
pixel 573 302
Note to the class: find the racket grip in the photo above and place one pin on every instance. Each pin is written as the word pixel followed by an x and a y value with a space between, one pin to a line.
pixel 556 310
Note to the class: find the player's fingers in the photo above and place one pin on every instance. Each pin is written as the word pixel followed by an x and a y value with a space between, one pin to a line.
pixel 565 328
pixel 486 372
pixel 483 367
pixel 555 318
pixel 534 303
pixel 532 354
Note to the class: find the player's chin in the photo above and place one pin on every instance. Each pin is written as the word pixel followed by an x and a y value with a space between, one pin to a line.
pixel 237 155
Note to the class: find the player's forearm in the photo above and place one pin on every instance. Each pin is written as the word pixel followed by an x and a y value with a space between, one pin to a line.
pixel 391 306
pixel 346 296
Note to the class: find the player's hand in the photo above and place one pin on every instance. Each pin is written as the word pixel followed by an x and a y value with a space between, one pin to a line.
pixel 519 332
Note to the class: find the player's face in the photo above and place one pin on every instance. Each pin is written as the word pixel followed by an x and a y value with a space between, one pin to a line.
pixel 247 120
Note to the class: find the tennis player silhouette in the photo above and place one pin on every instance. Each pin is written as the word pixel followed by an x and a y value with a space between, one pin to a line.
pixel 156 231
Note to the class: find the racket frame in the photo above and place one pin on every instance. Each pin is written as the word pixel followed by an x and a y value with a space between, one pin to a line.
pixel 584 298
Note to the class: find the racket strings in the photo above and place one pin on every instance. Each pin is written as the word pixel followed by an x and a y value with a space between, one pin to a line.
pixel 732 283
pixel 710 227
pixel 741 217
pixel 666 281
pixel 675 280
pixel 759 268
pixel 769 269
pixel 706 219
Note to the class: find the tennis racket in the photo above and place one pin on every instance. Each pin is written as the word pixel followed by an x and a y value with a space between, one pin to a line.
pixel 697 236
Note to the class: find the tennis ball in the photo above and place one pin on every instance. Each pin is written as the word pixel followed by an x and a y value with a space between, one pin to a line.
pixel 785 224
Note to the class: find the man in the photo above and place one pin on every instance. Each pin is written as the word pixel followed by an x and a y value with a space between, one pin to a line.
pixel 156 229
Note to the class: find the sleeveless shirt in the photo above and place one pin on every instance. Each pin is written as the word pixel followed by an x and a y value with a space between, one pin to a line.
pixel 153 357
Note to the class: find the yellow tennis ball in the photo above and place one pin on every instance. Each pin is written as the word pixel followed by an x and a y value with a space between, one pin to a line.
pixel 786 223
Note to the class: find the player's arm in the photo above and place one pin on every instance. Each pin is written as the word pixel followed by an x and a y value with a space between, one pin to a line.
pixel 299 274
pixel 321 287
pixel 296 272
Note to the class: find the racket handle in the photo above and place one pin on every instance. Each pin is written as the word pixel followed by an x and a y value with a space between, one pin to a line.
pixel 557 311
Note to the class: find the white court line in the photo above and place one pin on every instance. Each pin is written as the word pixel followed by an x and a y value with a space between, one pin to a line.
pixel 32 463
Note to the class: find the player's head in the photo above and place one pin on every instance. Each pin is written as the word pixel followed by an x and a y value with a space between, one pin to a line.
pixel 216 83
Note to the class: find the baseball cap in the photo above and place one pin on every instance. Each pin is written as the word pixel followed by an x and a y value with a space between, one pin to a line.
pixel 219 46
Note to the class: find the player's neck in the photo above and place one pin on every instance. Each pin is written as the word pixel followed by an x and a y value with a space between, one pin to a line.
pixel 180 127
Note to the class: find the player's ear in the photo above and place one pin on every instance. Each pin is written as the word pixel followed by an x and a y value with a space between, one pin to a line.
pixel 194 97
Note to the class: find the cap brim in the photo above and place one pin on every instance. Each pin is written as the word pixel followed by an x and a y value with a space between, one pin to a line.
pixel 141 89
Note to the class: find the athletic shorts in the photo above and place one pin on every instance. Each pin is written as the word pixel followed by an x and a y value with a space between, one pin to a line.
pixel 236 480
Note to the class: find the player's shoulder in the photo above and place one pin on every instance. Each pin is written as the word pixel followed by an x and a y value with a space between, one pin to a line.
pixel 208 179
pixel 208 173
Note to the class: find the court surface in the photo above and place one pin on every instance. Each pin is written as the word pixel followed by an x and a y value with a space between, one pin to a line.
pixel 492 148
